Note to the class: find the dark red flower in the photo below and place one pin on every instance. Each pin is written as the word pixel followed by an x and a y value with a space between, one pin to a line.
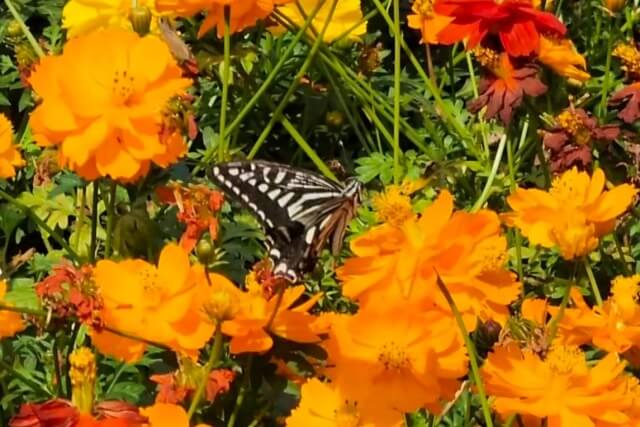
pixel 52 413
pixel 568 143
pixel 629 99
pixel 516 23
pixel 503 89
pixel 178 386
pixel 117 409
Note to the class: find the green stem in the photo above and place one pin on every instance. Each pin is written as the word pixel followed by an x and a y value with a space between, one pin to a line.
pixel 42 225
pixel 242 393
pixel 607 70
pixel 95 218
pixel 555 322
pixel 111 210
pixel 473 360
pixel 494 170
pixel 214 358
pixel 592 281
pixel 444 109
pixel 625 267
pixel 25 29
pixel 397 50
pixel 22 310
pixel 226 68
pixel 293 86
pixel 81 217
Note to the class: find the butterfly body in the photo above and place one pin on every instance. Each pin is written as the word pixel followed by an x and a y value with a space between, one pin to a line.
pixel 299 210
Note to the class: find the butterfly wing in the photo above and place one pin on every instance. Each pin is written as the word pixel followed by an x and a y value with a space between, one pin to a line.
pixel 292 205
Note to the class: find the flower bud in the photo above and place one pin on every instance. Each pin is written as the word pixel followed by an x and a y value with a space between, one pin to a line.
pixel 334 119
pixel 14 29
pixel 140 18
pixel 614 6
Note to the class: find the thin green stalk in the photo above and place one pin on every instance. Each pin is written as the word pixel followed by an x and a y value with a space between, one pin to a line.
pixel 553 323
pixel 474 88
pixel 604 91
pixel 22 310
pixel 42 225
pixel 25 29
pixel 95 218
pixel 592 281
pixel 494 170
pixel 111 210
pixel 293 86
pixel 471 349
pixel 397 68
pixel 625 267
pixel 56 366
pixel 214 358
pixel 81 217
pixel 116 377
pixel 310 152
pixel 226 69
pixel 242 393
pixel 445 110
pixel 512 179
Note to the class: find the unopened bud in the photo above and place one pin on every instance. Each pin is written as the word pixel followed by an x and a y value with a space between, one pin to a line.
pixel 140 17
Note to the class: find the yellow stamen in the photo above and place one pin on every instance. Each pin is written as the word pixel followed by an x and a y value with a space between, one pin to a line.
pixel 488 58
pixel 394 357
pixel 347 415
pixel 630 57
pixel 393 206
pixel 573 124
pixel 221 305
pixel 565 359
pixel 83 378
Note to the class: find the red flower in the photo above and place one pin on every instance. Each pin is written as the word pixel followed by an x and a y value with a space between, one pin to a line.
pixel 52 413
pixel 198 206
pixel 517 23
pixel 503 90
pixel 176 387
pixel 629 99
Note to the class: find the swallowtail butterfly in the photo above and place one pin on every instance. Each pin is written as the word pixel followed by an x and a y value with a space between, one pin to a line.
pixel 300 211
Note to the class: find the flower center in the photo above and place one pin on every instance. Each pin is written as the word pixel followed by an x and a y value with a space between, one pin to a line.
pixel 567 190
pixel 221 305
pixel 573 124
pixel 394 357
pixel 492 256
pixel 150 283
pixel 123 86
pixel 565 359
pixel 347 415
pixel 392 206
pixel 630 57
pixel 574 237
pixel 424 8
pixel 488 58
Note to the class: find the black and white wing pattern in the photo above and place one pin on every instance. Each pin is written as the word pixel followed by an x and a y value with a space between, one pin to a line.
pixel 299 210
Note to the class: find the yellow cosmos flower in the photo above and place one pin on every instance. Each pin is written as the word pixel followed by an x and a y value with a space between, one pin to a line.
pixel 84 16
pixel 572 215
pixel 563 58
pixel 346 19
pixel 10 157
pixel 326 405
pixel 104 101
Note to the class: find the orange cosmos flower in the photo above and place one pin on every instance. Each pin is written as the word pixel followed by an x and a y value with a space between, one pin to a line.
pixel 504 88
pixel 572 215
pixel 244 13
pixel 326 405
pixel 425 19
pixel 167 415
pixel 560 388
pixel 391 355
pixel 10 322
pixel 103 103
pixel 256 317
pixel 10 157
pixel 562 57
pixel 155 303
pixel 467 250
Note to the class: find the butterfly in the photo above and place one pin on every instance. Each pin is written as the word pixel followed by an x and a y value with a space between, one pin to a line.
pixel 301 211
